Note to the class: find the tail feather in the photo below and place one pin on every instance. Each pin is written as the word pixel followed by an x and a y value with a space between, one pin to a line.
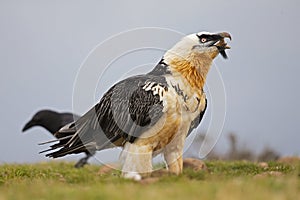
pixel 84 135
pixel 56 140
pixel 67 150
pixel 44 151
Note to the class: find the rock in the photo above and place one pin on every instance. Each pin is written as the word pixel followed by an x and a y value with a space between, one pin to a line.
pixel 263 165
pixel 194 164
pixel 107 169
pixel 133 176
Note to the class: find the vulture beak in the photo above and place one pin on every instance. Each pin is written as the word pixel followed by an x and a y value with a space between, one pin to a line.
pixel 221 44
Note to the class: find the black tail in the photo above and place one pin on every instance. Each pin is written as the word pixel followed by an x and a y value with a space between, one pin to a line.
pixel 84 135
pixel 70 150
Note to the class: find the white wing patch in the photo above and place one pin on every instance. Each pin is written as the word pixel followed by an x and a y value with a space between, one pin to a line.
pixel 156 88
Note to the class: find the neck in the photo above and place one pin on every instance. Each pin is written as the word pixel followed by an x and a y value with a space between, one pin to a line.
pixel 52 122
pixel 50 129
pixel 194 68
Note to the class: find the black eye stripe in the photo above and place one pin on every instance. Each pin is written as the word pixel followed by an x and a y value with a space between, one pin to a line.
pixel 208 37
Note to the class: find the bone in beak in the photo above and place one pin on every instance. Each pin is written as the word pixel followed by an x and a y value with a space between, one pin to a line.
pixel 225 35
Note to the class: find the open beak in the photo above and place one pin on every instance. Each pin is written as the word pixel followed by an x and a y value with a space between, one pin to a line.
pixel 221 44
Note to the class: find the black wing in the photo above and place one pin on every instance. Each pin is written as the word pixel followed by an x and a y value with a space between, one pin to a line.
pixel 123 114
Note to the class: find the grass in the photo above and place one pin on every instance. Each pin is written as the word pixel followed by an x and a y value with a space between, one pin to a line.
pixel 222 180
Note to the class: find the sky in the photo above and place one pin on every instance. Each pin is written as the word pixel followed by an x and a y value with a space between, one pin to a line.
pixel 44 44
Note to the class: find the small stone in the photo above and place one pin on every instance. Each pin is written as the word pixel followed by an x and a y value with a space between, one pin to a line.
pixel 107 169
pixel 194 164
pixel 133 175
pixel 263 165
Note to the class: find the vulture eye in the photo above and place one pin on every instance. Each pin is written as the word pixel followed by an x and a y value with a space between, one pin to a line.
pixel 203 40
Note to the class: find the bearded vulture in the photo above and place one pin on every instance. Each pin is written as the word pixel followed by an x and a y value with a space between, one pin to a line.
pixel 150 113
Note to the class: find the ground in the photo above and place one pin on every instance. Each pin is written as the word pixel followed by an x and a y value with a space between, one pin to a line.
pixel 219 180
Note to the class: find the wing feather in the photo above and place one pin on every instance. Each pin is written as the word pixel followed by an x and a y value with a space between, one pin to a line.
pixel 125 112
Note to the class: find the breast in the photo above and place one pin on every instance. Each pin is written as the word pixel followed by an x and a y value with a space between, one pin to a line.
pixel 162 132
pixel 176 119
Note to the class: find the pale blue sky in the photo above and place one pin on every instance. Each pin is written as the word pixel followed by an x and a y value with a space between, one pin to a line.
pixel 43 43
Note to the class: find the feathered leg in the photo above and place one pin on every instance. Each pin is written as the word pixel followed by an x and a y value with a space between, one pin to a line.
pixel 137 161
pixel 173 154
pixel 174 161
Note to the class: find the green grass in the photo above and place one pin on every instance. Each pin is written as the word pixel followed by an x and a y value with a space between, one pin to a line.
pixel 222 180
